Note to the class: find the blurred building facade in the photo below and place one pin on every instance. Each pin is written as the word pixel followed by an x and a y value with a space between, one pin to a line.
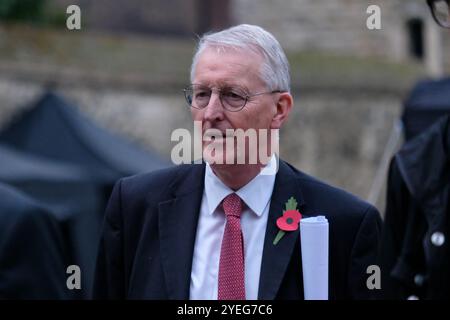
pixel 337 26
pixel 340 26
pixel 173 17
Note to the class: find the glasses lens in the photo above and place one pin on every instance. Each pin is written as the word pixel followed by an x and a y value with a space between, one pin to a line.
pixel 197 96
pixel 188 95
pixel 233 99
pixel 441 12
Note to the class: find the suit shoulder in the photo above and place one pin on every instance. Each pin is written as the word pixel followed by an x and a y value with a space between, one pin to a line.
pixel 331 198
pixel 155 182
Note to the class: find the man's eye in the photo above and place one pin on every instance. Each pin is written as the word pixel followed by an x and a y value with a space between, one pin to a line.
pixel 233 95
pixel 201 94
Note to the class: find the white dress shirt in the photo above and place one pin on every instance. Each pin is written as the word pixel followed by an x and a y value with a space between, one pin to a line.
pixel 205 265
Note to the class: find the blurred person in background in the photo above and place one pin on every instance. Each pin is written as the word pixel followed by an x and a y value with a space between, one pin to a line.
pixel 33 253
pixel 415 250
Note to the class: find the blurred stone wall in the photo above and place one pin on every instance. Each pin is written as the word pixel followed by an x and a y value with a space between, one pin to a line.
pixel 337 26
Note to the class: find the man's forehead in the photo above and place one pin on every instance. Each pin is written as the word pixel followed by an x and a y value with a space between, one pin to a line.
pixel 228 64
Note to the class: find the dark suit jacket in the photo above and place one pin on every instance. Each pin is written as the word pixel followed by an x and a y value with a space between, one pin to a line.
pixel 149 232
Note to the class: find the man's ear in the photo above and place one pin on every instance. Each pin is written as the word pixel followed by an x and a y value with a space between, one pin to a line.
pixel 284 104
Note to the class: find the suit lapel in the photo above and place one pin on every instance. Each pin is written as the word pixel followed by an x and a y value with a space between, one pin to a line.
pixel 277 257
pixel 178 219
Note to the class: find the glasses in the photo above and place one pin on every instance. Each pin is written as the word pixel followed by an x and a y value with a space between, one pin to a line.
pixel 232 99
pixel 440 10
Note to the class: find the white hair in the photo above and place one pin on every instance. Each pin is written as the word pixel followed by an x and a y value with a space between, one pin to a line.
pixel 275 68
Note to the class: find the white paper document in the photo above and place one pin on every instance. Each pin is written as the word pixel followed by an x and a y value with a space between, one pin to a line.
pixel 314 249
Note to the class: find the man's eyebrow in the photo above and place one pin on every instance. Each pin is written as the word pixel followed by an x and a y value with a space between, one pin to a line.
pixel 225 84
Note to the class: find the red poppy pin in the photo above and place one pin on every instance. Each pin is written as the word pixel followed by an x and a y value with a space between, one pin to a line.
pixel 289 221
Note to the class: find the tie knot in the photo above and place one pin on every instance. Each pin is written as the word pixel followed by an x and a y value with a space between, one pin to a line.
pixel 232 205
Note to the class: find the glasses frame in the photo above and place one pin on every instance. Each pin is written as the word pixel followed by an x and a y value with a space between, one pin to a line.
pixel 247 97
pixel 431 4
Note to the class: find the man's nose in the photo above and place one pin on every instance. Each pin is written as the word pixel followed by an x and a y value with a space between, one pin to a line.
pixel 214 109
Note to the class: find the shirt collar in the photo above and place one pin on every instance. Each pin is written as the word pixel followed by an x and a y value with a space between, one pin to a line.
pixel 256 194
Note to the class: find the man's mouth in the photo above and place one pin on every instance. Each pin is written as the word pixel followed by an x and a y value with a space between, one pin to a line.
pixel 216 135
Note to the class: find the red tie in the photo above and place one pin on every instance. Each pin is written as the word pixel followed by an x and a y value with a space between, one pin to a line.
pixel 231 267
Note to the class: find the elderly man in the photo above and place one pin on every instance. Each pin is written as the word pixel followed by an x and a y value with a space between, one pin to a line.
pixel 208 230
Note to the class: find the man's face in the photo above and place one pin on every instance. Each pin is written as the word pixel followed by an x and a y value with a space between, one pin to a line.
pixel 233 69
